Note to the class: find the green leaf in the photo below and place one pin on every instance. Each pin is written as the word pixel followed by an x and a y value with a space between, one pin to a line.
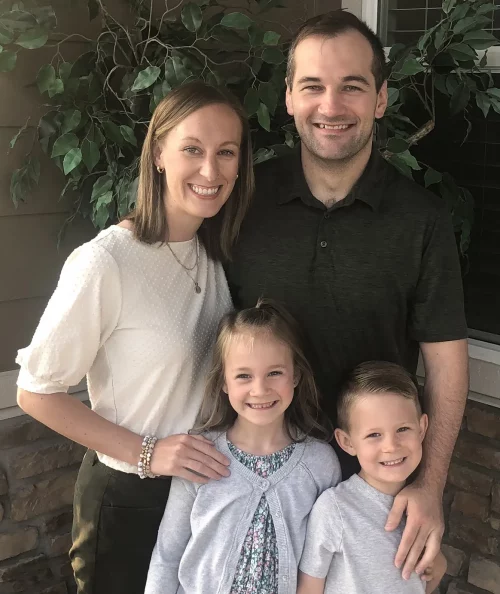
pixel 6 36
pixel 251 101
pixel 101 186
pixel 64 144
pixel 485 8
pixel 459 99
pixel 432 177
pixel 271 38
pixel 56 88
pixel 462 51
pixel 93 8
pixel 263 154
pixel 100 217
pixel 236 20
pixel 128 134
pixel 175 71
pixel 24 180
pixel 452 82
pixel 113 132
pixel 18 20
pixel 65 71
pixel 398 162
pixel 409 159
pixel 72 118
pixel 71 160
pixel 448 5
pixel 269 96
pixel 483 102
pixel 272 55
pixel 460 11
pixel 411 66
pixel 255 35
pixel 191 17
pixel 392 96
pixel 90 154
pixel 397 145
pixel 7 61
pixel 494 92
pixel 440 37
pixel 263 117
pixel 464 24
pixel 104 199
pixel 146 78
pixel 32 39
pixel 19 133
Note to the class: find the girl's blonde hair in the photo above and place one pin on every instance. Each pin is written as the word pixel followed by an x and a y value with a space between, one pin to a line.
pixel 150 223
pixel 303 416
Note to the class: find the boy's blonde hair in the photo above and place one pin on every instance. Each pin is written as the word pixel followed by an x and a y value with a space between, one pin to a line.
pixel 375 377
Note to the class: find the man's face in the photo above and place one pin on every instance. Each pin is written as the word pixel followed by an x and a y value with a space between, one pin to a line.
pixel 333 98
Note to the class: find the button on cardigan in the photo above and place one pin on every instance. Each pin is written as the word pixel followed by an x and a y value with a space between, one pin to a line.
pixel 204 526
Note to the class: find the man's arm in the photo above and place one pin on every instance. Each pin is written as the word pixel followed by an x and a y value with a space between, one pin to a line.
pixel 445 393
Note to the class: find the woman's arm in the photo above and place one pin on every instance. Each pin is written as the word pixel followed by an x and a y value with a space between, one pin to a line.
pixel 176 455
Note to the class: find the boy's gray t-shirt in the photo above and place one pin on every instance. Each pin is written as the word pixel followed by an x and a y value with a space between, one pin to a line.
pixel 346 542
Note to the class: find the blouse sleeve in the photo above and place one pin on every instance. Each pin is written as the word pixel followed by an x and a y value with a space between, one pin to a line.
pixel 80 316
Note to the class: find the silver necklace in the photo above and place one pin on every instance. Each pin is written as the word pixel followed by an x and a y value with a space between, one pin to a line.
pixel 197 288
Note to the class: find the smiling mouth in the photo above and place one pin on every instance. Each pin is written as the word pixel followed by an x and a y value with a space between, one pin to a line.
pixel 263 406
pixel 204 191
pixel 334 127
pixel 393 462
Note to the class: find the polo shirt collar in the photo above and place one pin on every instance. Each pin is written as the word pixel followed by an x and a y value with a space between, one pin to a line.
pixel 369 188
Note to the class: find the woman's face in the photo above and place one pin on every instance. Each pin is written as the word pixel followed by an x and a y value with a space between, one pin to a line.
pixel 200 157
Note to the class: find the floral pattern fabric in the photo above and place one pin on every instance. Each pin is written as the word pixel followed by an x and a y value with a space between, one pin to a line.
pixel 257 569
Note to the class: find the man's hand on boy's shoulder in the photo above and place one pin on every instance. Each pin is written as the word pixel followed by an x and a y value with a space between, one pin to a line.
pixel 424 527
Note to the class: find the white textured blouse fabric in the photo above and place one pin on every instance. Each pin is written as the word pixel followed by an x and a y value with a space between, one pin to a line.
pixel 126 314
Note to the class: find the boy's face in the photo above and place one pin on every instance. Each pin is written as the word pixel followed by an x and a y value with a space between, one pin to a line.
pixel 386 434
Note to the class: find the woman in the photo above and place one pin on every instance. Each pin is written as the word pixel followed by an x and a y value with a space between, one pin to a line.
pixel 136 309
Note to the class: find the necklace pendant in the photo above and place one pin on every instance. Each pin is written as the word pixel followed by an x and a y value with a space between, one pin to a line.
pixel 197 288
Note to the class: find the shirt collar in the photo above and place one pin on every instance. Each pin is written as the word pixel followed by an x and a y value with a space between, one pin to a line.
pixel 369 188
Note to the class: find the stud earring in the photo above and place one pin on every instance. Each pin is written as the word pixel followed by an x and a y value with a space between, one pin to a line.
pixel 159 169
pixel 237 175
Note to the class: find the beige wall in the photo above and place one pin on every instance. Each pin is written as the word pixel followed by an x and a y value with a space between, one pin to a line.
pixel 30 261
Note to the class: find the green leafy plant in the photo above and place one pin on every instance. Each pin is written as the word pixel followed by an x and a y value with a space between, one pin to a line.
pixel 99 106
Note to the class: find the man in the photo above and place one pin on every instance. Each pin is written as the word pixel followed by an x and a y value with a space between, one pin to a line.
pixel 362 256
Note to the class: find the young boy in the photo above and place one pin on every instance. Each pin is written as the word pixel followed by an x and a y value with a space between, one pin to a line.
pixel 347 549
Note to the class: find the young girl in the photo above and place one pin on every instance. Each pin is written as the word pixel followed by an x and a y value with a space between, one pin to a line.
pixel 245 533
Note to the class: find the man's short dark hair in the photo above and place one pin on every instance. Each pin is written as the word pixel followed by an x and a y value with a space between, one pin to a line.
pixel 375 377
pixel 330 25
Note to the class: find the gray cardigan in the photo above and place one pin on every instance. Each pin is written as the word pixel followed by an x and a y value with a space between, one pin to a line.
pixel 204 526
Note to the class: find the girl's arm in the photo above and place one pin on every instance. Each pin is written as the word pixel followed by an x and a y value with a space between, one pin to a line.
pixel 438 571
pixel 310 585
pixel 172 456
pixel 173 537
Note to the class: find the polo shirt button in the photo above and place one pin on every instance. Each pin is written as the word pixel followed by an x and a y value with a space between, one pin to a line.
pixel 264 484
pixel 327 215
pixel 285 578
pixel 278 514
pixel 323 244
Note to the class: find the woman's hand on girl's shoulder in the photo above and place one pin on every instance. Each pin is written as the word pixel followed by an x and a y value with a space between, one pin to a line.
pixel 191 457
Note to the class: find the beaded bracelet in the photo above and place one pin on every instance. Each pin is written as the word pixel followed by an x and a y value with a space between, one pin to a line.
pixel 144 464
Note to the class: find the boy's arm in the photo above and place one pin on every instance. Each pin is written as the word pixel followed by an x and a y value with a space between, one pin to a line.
pixel 173 536
pixel 310 585
pixel 438 571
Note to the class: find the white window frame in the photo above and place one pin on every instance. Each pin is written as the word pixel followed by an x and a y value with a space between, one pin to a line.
pixel 369 14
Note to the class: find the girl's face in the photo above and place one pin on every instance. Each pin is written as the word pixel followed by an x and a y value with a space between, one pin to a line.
pixel 200 157
pixel 259 378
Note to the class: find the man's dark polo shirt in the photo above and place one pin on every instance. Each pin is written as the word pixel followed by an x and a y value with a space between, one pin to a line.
pixel 368 279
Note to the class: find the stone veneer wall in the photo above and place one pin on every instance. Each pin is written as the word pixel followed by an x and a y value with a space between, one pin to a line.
pixel 38 470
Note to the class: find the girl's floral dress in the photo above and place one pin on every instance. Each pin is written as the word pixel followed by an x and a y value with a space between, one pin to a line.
pixel 257 570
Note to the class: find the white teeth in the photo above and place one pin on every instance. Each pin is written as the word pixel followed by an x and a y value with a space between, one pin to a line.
pixel 204 191
pixel 265 405
pixel 337 127
pixel 393 462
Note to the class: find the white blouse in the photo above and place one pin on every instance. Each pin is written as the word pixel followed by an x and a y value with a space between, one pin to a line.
pixel 126 314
